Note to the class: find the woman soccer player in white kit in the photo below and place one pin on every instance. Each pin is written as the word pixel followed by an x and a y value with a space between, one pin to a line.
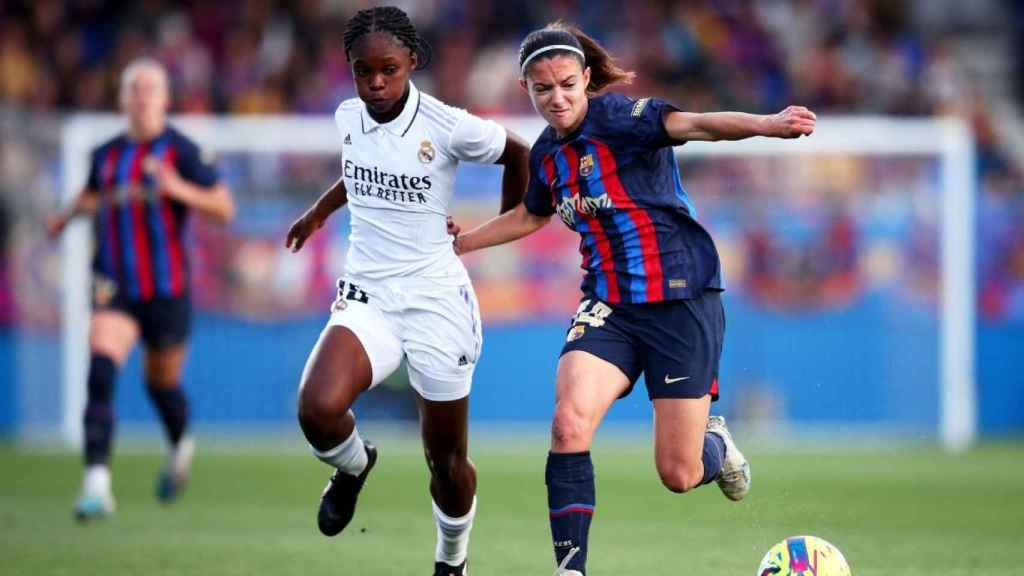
pixel 404 292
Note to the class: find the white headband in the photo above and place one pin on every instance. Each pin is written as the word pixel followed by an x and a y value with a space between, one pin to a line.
pixel 539 51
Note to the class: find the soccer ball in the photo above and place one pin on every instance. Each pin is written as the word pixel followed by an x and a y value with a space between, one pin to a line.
pixel 803 556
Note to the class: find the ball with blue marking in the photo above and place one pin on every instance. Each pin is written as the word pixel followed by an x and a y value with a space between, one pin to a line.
pixel 803 556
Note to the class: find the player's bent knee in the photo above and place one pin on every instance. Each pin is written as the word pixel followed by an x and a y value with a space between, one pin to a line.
pixel 448 469
pixel 680 478
pixel 570 432
pixel 318 406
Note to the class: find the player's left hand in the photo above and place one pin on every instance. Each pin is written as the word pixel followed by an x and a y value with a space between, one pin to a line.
pixel 55 224
pixel 453 228
pixel 793 122
pixel 168 181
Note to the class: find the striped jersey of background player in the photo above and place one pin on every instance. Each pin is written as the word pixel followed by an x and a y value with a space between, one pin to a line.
pixel 142 186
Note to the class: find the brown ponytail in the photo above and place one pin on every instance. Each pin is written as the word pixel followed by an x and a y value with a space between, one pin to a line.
pixel 604 72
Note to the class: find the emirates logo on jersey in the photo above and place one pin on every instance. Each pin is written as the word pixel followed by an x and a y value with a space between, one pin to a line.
pixel 426 153
pixel 370 181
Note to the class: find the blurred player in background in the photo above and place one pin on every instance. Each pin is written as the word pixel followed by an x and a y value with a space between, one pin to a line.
pixel 651 293
pixel 142 186
pixel 405 294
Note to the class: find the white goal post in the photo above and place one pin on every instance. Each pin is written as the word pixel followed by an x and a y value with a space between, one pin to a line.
pixel 949 140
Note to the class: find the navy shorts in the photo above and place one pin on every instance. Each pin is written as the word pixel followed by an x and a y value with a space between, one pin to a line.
pixel 163 321
pixel 676 344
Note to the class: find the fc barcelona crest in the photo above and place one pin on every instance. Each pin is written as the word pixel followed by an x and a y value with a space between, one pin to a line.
pixel 426 152
pixel 576 333
pixel 587 165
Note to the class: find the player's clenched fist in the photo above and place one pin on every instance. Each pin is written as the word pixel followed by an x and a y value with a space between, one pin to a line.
pixel 168 181
pixel 453 228
pixel 301 230
pixel 792 122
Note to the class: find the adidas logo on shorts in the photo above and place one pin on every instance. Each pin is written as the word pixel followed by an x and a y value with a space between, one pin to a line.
pixel 348 138
pixel 463 360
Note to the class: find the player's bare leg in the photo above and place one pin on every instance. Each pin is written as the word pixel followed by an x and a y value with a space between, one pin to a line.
pixel 112 335
pixel 163 372
pixel 338 370
pixel 679 443
pixel 586 386
pixel 691 450
pixel 444 427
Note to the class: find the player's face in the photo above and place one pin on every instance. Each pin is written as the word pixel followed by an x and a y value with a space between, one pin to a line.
pixel 558 90
pixel 381 66
pixel 144 99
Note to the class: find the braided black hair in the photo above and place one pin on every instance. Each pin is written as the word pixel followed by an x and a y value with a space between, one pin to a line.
pixel 393 21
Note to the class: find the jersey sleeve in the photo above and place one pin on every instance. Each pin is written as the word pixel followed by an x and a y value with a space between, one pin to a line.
pixel 647 117
pixel 538 192
pixel 194 167
pixel 93 182
pixel 476 140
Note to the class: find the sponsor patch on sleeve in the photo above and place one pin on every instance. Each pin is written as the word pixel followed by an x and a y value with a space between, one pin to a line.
pixel 638 107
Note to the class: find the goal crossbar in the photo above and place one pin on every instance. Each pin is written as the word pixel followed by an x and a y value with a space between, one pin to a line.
pixel 948 139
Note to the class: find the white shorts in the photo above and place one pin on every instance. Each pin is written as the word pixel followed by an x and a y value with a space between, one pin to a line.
pixel 434 326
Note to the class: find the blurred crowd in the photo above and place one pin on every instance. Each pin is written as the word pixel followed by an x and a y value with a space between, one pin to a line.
pixel 251 56
pixel 898 57
pixel 266 56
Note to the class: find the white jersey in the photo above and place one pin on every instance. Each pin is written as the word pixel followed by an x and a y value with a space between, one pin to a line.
pixel 400 177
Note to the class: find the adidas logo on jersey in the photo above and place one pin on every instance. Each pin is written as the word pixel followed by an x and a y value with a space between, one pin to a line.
pixel 348 138
pixel 463 360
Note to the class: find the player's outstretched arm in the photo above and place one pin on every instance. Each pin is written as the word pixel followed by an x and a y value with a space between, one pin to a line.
pixel 516 159
pixel 511 225
pixel 335 197
pixel 86 203
pixel 793 122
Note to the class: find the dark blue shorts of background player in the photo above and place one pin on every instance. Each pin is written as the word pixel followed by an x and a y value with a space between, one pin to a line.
pixel 163 321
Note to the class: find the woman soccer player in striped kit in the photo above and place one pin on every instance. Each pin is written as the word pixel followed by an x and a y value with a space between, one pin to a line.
pixel 651 292
pixel 142 186
pixel 404 294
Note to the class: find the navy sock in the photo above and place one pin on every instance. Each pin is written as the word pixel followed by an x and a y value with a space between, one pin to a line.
pixel 714 455
pixel 173 408
pixel 98 419
pixel 571 499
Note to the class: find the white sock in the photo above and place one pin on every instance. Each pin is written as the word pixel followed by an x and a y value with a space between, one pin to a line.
pixel 453 535
pixel 97 480
pixel 349 456
pixel 179 459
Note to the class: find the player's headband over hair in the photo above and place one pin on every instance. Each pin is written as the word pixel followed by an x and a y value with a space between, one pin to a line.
pixel 547 40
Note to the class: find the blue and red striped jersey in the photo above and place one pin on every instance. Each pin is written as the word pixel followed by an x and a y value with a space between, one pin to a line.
pixel 139 232
pixel 615 180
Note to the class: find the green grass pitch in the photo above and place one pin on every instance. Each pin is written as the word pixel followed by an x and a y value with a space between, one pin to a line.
pixel 907 512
